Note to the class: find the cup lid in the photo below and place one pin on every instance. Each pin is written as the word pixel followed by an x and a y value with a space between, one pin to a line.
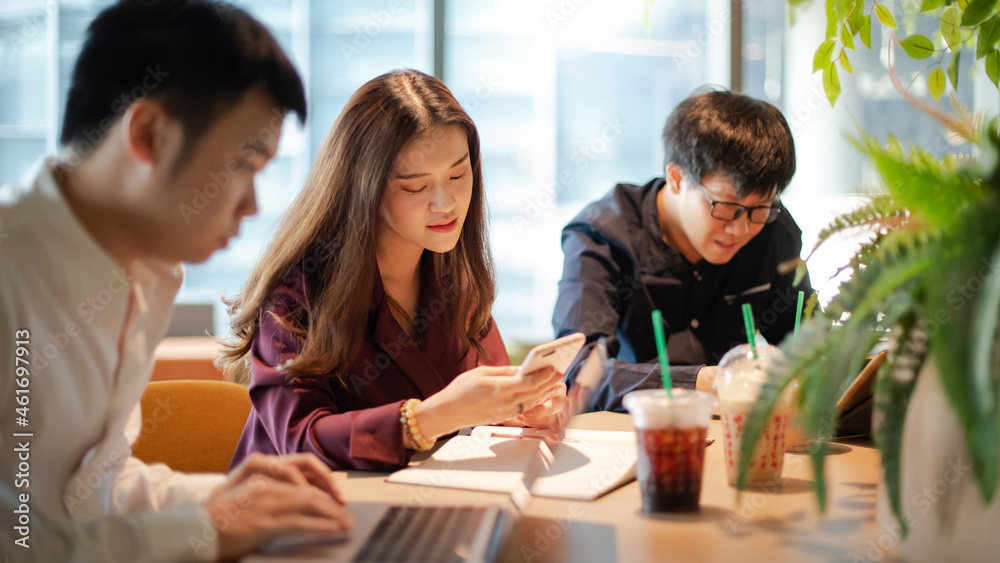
pixel 684 408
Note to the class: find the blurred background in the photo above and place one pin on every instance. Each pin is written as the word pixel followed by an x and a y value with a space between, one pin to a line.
pixel 570 97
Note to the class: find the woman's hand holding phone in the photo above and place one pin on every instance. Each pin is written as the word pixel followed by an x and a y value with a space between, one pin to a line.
pixel 487 395
pixel 551 414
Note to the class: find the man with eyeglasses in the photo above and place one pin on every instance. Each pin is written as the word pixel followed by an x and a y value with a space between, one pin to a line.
pixel 696 244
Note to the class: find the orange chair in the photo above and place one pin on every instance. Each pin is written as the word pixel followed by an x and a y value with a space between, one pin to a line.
pixel 192 425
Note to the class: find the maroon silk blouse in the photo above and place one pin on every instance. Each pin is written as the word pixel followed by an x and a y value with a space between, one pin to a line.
pixel 352 422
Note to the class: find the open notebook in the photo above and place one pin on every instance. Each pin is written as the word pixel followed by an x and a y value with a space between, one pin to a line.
pixel 584 465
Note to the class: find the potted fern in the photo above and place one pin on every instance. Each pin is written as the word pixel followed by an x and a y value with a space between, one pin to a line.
pixel 927 279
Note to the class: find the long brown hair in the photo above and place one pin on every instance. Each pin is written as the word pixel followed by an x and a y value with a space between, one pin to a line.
pixel 330 230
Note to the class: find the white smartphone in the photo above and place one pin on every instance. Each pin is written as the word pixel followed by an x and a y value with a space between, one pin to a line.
pixel 557 354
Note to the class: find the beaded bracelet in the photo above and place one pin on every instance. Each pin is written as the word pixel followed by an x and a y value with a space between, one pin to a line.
pixel 411 432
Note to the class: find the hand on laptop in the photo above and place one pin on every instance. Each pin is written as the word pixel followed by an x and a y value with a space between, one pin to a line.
pixel 267 496
pixel 296 469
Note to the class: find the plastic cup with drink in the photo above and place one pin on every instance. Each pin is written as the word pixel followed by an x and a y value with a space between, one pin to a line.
pixel 742 375
pixel 670 431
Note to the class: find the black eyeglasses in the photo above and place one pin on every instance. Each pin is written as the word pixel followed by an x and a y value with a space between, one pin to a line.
pixel 732 211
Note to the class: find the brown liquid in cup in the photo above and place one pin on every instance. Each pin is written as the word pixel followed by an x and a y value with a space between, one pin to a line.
pixel 670 466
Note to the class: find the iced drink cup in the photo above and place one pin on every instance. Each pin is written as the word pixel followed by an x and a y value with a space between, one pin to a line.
pixel 739 384
pixel 670 433
pixel 795 436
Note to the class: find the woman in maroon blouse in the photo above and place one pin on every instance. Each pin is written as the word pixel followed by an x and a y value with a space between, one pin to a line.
pixel 377 288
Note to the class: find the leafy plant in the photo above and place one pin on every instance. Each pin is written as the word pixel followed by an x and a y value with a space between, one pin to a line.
pixel 966 26
pixel 936 236
pixel 928 273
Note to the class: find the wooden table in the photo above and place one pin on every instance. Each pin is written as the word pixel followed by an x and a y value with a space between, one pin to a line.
pixel 767 526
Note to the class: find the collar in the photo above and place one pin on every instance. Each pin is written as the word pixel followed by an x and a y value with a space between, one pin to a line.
pixel 651 227
pixel 415 361
pixel 94 270
pixel 650 214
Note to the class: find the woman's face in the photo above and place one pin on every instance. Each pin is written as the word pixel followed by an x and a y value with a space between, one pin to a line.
pixel 429 191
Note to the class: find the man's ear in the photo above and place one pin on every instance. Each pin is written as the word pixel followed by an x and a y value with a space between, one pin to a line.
pixel 673 175
pixel 145 129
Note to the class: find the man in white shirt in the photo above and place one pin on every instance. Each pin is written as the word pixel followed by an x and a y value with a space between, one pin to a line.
pixel 174 107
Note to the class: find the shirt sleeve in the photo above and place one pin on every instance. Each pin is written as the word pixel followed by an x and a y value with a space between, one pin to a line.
pixel 302 415
pixel 589 302
pixel 785 293
pixel 588 299
pixel 622 377
pixel 140 487
pixel 182 533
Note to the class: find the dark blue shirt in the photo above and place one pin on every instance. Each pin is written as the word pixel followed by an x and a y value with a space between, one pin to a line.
pixel 617 269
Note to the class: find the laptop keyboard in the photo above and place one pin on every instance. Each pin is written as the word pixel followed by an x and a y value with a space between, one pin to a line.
pixel 422 534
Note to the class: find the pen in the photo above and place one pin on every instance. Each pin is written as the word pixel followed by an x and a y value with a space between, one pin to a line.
pixel 522 437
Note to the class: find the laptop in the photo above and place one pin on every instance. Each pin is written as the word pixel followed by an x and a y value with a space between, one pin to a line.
pixel 855 405
pixel 397 532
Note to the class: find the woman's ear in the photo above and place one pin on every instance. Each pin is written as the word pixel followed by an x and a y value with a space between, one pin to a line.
pixel 673 175
pixel 146 126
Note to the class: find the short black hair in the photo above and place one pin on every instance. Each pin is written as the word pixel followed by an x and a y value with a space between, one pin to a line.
pixel 195 57
pixel 732 134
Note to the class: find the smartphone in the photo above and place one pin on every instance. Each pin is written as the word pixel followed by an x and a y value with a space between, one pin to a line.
pixel 557 354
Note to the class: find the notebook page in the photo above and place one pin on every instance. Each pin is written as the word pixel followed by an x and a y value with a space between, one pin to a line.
pixel 480 463
pixel 586 463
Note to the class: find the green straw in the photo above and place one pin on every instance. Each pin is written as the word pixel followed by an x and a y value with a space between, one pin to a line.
pixel 751 331
pixel 661 350
pixel 798 312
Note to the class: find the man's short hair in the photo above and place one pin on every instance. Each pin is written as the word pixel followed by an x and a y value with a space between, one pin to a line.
pixel 195 57
pixel 746 139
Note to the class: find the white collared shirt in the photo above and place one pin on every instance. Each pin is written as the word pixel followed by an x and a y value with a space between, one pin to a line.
pixel 91 330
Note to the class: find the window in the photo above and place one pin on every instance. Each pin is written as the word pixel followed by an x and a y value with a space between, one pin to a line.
pixel 570 98
pixel 337 47
pixel 831 174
